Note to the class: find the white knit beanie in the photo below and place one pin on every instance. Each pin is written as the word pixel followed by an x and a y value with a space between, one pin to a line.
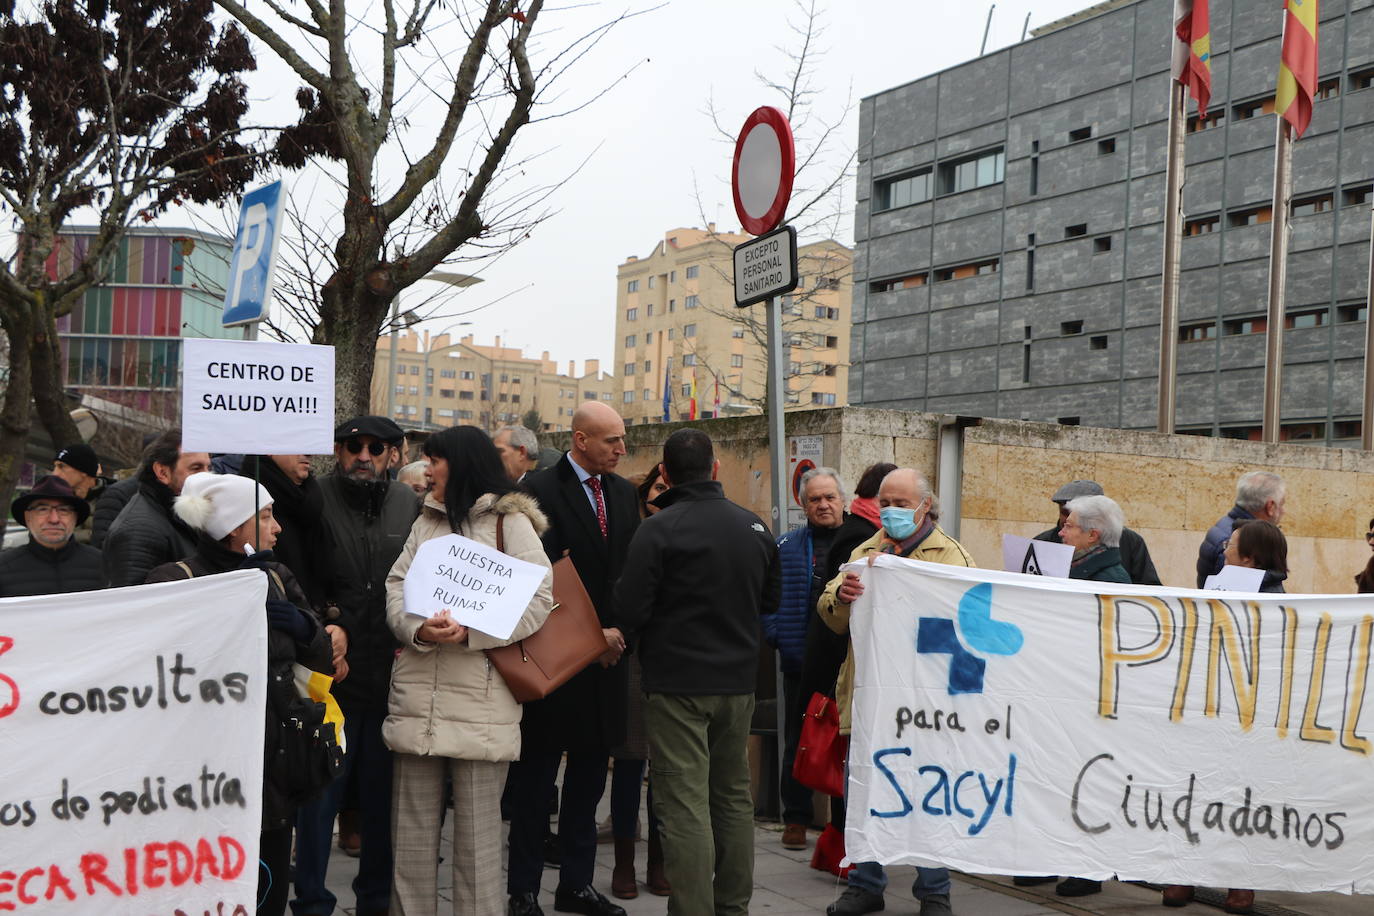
pixel 219 503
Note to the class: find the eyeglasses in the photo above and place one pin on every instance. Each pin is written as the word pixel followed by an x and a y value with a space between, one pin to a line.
pixel 355 446
pixel 61 509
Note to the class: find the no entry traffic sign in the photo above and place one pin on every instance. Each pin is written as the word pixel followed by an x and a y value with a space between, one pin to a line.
pixel 761 177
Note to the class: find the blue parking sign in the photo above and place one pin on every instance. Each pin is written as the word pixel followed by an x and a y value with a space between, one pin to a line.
pixel 255 256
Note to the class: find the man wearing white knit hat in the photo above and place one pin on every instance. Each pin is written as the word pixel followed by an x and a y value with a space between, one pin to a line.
pixel 232 518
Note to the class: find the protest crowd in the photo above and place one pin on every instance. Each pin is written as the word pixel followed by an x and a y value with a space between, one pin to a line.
pixel 683 585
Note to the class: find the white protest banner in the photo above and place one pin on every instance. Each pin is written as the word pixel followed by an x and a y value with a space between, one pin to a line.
pixel 131 781
pixel 257 397
pixel 483 588
pixel 1035 558
pixel 1036 726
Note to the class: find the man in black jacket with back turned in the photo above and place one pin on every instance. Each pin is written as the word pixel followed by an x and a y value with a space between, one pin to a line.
pixel 699 575
pixel 592 513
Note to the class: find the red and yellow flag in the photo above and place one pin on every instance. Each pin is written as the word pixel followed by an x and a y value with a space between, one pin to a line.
pixel 1298 65
pixel 692 405
pixel 1192 58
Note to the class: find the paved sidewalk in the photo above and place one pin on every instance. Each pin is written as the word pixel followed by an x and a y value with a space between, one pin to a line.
pixel 785 885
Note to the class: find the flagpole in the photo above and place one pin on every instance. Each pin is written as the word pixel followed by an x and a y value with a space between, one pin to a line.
pixel 1173 251
pixel 1367 418
pixel 1278 274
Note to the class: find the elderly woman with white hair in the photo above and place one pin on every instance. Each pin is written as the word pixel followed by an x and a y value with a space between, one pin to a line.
pixel 1093 529
pixel 235 529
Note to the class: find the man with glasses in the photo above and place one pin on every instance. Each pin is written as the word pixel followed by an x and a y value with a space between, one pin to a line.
pixel 52 562
pixel 368 517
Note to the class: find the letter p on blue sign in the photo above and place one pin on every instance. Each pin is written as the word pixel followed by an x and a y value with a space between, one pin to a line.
pixel 255 256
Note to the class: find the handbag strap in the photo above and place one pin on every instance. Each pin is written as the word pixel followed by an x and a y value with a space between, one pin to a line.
pixel 501 533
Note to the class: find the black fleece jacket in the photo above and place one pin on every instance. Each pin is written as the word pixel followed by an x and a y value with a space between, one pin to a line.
pixel 32 569
pixel 698 576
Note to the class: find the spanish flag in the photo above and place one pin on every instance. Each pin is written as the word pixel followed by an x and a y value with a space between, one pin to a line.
pixel 1298 65
pixel 692 405
pixel 1192 59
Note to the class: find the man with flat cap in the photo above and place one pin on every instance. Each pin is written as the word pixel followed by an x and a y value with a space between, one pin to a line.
pixel 1135 555
pixel 368 517
pixel 52 562
pixel 79 467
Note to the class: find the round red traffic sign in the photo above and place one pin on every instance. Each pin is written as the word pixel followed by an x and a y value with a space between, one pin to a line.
pixel 761 177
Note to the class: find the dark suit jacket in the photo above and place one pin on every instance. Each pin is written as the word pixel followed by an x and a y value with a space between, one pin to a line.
pixel 588 712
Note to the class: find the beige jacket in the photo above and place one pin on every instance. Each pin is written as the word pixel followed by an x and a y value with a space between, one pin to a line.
pixel 446 700
pixel 938 547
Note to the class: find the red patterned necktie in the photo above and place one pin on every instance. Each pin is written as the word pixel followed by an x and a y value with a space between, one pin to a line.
pixel 595 484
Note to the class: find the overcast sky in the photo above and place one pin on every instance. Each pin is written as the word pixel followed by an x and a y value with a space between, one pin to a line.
pixel 651 146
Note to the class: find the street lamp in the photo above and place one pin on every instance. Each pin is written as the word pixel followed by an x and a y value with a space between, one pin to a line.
pixel 398 321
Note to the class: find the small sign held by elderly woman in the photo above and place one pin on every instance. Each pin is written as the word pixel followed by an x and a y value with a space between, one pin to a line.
pixel 479 585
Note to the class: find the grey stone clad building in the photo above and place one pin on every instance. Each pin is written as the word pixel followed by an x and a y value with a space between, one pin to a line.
pixel 1009 229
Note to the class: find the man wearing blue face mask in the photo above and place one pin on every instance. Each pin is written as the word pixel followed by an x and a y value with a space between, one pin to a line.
pixel 909 530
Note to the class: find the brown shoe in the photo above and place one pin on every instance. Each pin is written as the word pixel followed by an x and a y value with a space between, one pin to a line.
pixel 1178 895
pixel 655 877
pixel 1239 901
pixel 794 836
pixel 623 885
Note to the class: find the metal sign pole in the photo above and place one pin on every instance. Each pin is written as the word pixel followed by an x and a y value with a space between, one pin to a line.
pixel 777 459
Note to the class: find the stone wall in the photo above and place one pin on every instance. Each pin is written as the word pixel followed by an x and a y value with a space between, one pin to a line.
pixel 1172 488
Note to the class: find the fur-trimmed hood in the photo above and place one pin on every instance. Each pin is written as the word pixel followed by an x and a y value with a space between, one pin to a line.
pixel 515 502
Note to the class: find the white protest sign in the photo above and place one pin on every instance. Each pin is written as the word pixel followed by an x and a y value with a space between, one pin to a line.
pixel 1235 579
pixel 257 397
pixel 131 781
pixel 1035 558
pixel 1038 726
pixel 483 588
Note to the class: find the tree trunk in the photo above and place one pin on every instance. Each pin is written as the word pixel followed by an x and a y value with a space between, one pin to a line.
pixel 15 415
pixel 49 384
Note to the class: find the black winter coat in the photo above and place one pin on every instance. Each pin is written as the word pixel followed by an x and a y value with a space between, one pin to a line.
pixel 699 575
pixel 212 558
pixel 32 569
pixel 368 524
pixel 305 544
pixel 108 507
pixel 826 649
pixel 589 712
pixel 146 535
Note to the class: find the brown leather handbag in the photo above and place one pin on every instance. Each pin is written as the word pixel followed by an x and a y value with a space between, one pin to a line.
pixel 570 639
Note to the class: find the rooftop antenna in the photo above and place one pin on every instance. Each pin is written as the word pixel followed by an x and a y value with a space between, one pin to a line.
pixel 987 28
pixel 1025 27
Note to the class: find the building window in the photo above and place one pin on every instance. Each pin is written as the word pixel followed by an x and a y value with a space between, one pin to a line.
pixel 974 172
pixel 1202 225
pixel 1318 203
pixel 1328 89
pixel 823 398
pixel 505 378
pixel 827 283
pixel 400 370
pixel 1214 118
pixel 1070 421
pixel 1347 429
pixel 1348 313
pixel 447 373
pixel 737 360
pixel 630 341
pixel 737 333
pixel 1243 111
pixel 1035 167
pixel 687 390
pixel 692 271
pixel 648 394
pixel 1312 318
pixel 887 286
pixel 1205 330
pixel 672 306
pixel 606 396
pixel 632 314
pixel 902 191
pixel 964 271
pixel 1070 328
pixel 1357 196
pixel 672 276
pixel 651 282
pixel 632 286
pixel 446 392
pixel 1077 230
pixel 1098 343
pixel 671 333
pixel 830 314
pixel 589 395
pixel 1106 147
pixel 504 397
pixel 400 389
pixel 689 359
pixel 414 370
pixel 648 366
pixel 629 368
pixel 691 302
pixel 1251 216
pixel 1082 133
pixel 831 342
pixel 689 330
pixel 1235 326
pixel 649 313
pixel 1102 244
pixel 414 389
pixel 463 414
pixel 628 397
pixel 1361 79
pixel 465 395
pixel 465 373
pixel 648 337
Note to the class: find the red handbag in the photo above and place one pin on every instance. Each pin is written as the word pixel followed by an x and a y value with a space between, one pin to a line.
pixel 821 749
pixel 830 852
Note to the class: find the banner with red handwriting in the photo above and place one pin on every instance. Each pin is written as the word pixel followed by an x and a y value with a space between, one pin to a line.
pixel 1023 725
pixel 132 726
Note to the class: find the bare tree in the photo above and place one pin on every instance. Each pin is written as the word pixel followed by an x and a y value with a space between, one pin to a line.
pixel 461 189
pixel 118 107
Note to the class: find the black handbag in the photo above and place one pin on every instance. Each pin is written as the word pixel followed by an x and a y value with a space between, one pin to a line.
pixel 301 754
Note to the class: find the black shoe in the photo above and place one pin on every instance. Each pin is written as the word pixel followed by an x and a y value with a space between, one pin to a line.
pixel 587 900
pixel 854 902
pixel 553 851
pixel 1078 887
pixel 524 905
pixel 1033 880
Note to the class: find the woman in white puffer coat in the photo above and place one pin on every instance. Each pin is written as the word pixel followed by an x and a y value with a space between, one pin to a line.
pixel 450 713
